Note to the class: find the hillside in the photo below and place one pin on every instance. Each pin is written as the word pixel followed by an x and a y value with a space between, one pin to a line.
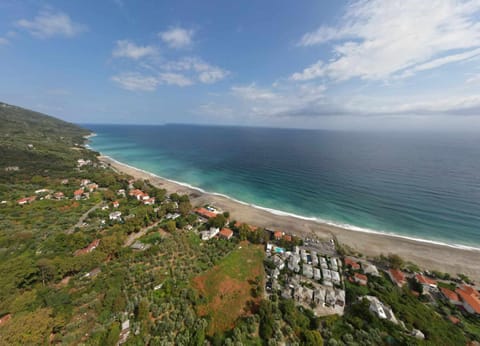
pixel 35 142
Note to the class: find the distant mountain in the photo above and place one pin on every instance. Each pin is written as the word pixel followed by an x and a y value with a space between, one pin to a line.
pixel 37 143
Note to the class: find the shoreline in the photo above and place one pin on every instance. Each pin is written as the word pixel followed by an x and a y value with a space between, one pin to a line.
pixel 445 257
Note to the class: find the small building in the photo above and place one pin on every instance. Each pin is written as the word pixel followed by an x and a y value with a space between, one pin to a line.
pixel 226 233
pixel 205 213
pixel 26 200
pixel 212 232
pixel 115 216
pixel 351 263
pixel 77 194
pixel 121 192
pixel 149 201
pixel 277 235
pixel 370 269
pixel 116 204
pixel 426 283
pixel 58 195
pixel 84 182
pixel 397 277
pixel 470 299
pixel 335 277
pixel 307 270
pixel 5 318
pixel 450 296
pixel 92 187
pixel 360 279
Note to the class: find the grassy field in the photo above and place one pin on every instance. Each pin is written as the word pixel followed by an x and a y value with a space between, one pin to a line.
pixel 228 286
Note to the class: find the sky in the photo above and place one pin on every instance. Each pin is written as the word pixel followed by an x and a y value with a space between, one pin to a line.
pixel 345 65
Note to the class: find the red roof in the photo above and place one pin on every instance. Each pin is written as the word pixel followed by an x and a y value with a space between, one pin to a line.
pixel 205 213
pixel 78 192
pixel 397 276
pixel 360 277
pixel 277 235
pixel 470 296
pixel 287 237
pixel 5 318
pixel 450 294
pixel 424 280
pixel 453 319
pixel 351 263
pixel 226 233
pixel 27 199
pixel 90 247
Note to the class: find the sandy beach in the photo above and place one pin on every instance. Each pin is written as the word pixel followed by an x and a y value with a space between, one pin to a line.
pixel 425 254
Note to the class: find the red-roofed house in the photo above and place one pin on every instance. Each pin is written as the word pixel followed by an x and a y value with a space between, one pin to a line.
pixel 450 296
pixel 397 277
pixel 58 195
pixel 287 237
pixel 89 248
pixel 360 279
pixel 77 194
pixel 277 235
pixel 138 194
pixel 205 213
pixel 149 201
pixel 26 200
pixel 92 187
pixel 226 233
pixel 351 263
pixel 470 299
pixel 116 204
pixel 426 283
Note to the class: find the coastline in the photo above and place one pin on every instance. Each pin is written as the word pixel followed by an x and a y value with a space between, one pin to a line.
pixel 433 255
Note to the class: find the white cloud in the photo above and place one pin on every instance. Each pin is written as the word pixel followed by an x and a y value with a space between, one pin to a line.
pixel 175 79
pixel 251 92
pixel 314 71
pixel 128 49
pixel 3 41
pixel 378 39
pixel 205 72
pixel 50 24
pixel 473 79
pixel 136 82
pixel 177 37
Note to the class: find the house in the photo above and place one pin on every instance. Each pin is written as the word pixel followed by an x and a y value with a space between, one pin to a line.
pixel 351 263
pixel 360 279
pixel 58 195
pixel 89 248
pixel 77 194
pixel 149 201
pixel 450 296
pixel 85 182
pixel 116 204
pixel 205 213
pixel 26 200
pixel 397 277
pixel 470 299
pixel 41 191
pixel 277 235
pixel 426 283
pixel 115 216
pixel 64 182
pixel 124 333
pixel 370 269
pixel 287 237
pixel 212 232
pixel 307 270
pixel 121 192
pixel 381 310
pixel 138 194
pixel 226 233
pixel 92 187
pixel 335 277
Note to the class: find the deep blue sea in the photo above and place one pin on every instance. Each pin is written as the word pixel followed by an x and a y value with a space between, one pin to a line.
pixel 421 185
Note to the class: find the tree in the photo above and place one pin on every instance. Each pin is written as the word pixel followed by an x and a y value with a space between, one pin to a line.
pixel 312 337
pixel 218 221
pixel 171 226
pixel 184 207
pixel 113 334
pixel 395 261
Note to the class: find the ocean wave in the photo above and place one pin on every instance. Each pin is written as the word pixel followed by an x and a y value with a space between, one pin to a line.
pixel 345 226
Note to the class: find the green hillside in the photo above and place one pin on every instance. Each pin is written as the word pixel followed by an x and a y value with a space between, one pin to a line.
pixel 36 142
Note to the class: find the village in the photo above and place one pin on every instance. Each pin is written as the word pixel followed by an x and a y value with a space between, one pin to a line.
pixel 309 271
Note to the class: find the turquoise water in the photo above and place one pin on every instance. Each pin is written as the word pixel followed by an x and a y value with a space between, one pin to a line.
pixel 411 184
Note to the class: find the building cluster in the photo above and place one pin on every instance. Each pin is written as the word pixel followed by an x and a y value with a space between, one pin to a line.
pixel 311 279
pixel 142 196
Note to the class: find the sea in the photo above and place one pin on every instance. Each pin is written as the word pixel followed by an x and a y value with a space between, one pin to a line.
pixel 412 184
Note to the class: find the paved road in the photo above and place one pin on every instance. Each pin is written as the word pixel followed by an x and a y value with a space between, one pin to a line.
pixel 134 236
pixel 83 217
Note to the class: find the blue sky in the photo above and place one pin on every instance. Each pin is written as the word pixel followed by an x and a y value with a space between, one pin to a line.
pixel 312 64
